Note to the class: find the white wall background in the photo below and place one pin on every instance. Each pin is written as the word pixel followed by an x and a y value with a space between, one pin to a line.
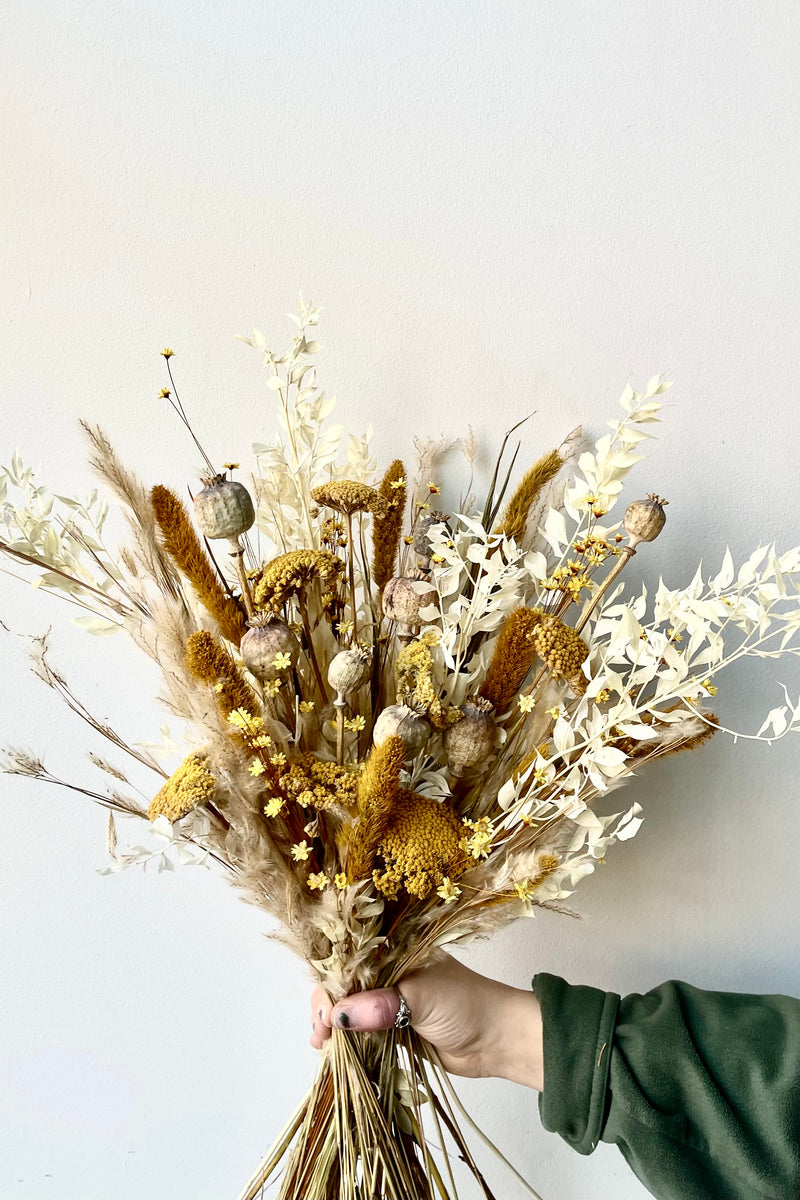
pixel 500 206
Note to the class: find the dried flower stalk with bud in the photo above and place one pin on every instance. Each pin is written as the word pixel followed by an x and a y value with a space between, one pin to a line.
pixel 405 721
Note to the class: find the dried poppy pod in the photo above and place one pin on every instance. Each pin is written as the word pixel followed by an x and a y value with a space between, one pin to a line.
pixel 349 670
pixel 268 636
pixel 422 543
pixel 224 509
pixel 399 720
pixel 402 602
pixel 644 519
pixel 470 742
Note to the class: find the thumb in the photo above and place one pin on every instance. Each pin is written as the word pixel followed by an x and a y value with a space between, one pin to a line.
pixel 366 1011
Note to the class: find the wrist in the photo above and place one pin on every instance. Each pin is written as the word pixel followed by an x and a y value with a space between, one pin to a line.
pixel 518 1054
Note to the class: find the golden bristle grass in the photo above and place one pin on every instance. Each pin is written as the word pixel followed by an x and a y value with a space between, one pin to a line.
pixel 184 547
pixel 513 655
pixel 386 530
pixel 210 662
pixel 378 789
pixel 515 517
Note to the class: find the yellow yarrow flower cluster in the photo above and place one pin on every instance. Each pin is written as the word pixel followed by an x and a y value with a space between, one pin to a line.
pixel 561 648
pixel 192 784
pixel 416 686
pixel 346 496
pixel 312 782
pixel 290 573
pixel 317 881
pixel 420 847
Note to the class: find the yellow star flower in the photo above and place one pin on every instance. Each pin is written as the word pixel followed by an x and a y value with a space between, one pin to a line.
pixel 164 394
pixel 448 891
pixel 282 661
pixel 355 724
pixel 167 353
pixel 301 851
pixel 526 704
pixel 274 806
pixel 524 890
pixel 317 882
pixel 256 767
pixel 340 880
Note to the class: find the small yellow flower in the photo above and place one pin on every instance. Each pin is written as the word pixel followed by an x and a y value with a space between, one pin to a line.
pixel 317 882
pixel 167 353
pixel 301 851
pixel 409 541
pixel 271 688
pixel 524 890
pixel 602 695
pixel 164 394
pixel 256 767
pixel 355 724
pixel 345 628
pixel 448 891
pixel 219 687
pixel 274 806
pixel 242 719
pixel 526 704
pixel 395 483
pixel 437 558
pixel 306 706
pixel 430 637
pixel 540 776
pixel 709 686
pixel 555 712
pixel 231 466
pixel 261 740
pixel 278 760
pixel 281 661
pixel 433 489
pixel 340 880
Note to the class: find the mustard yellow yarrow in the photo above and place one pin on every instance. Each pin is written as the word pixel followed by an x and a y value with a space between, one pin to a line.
pixel 346 496
pixel 192 784
pixel 420 847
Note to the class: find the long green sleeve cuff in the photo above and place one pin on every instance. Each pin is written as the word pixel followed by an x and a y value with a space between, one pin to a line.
pixel 700 1090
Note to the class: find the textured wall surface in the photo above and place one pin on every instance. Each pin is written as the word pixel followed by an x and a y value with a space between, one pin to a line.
pixel 501 207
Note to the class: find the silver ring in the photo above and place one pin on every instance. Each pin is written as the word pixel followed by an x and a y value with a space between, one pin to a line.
pixel 403 1018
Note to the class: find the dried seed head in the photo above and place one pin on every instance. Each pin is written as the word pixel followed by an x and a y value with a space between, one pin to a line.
pixel 399 720
pixel 644 519
pixel 346 496
pixel 563 649
pixel 402 601
pixel 470 742
pixel 223 508
pixel 349 670
pixel 421 542
pixel 267 637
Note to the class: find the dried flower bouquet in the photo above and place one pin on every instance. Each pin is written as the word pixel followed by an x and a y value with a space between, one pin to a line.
pixel 403 721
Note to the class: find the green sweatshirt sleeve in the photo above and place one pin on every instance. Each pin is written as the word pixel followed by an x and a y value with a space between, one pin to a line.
pixel 700 1090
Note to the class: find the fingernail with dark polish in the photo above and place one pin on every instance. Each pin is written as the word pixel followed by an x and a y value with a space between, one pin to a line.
pixel 344 1020
pixel 319 1013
